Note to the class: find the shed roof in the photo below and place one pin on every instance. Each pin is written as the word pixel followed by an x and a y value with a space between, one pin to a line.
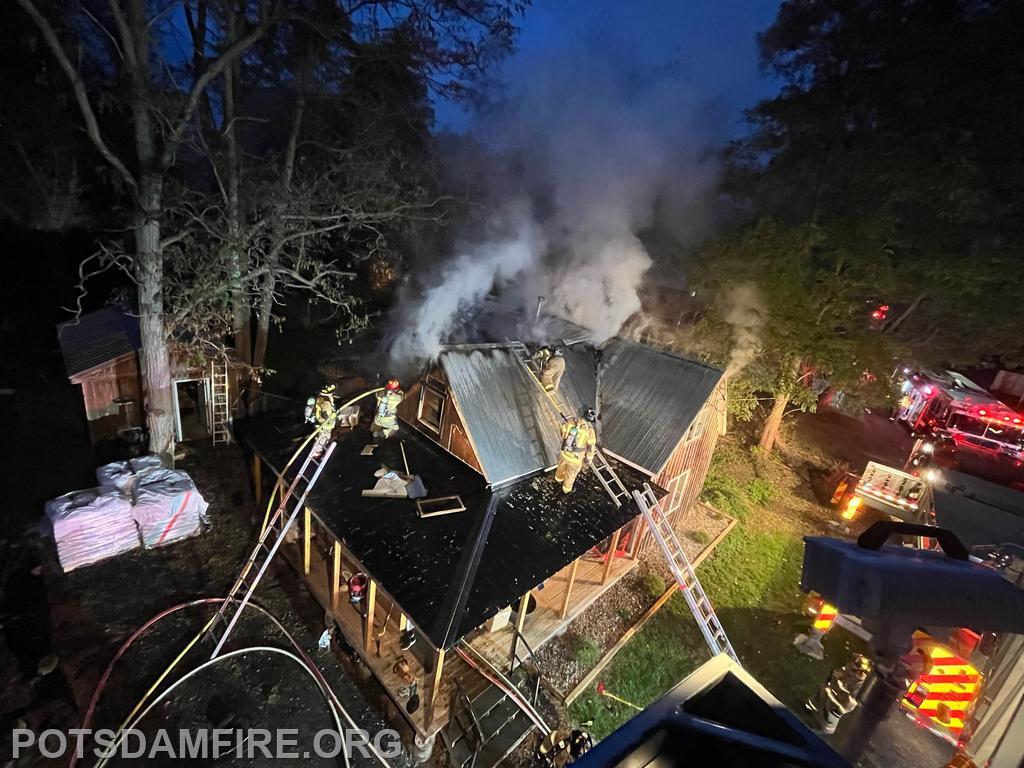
pixel 514 431
pixel 649 398
pixel 98 338
pixel 450 573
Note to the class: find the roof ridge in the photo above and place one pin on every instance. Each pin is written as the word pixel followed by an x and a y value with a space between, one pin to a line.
pixel 667 353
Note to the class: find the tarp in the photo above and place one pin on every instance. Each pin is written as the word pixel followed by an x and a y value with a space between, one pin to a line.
pixel 90 526
pixel 167 507
pixel 123 475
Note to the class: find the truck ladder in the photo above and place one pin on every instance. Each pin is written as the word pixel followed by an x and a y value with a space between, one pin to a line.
pixel 220 408
pixel 292 503
pixel 700 606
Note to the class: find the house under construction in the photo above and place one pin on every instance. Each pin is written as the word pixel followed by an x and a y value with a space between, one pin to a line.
pixel 501 560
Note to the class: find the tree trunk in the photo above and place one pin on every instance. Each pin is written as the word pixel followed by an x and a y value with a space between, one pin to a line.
pixel 263 314
pixel 895 324
pixel 155 357
pixel 770 431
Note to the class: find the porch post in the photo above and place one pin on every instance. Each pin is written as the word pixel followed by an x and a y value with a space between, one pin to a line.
pixel 435 687
pixel 568 589
pixel 336 575
pixel 371 607
pixel 611 558
pixel 306 536
pixel 524 603
pixel 257 478
pixel 639 529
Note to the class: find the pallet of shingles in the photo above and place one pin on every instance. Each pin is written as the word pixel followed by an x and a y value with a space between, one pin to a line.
pixel 91 525
pixel 167 507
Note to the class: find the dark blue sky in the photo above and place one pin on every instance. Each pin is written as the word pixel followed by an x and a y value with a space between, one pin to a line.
pixel 711 43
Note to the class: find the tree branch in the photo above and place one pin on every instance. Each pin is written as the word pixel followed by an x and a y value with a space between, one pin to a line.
pixel 81 95
pixel 214 70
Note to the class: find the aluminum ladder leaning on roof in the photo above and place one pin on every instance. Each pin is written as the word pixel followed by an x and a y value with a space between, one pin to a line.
pixel 288 509
pixel 598 464
pixel 686 577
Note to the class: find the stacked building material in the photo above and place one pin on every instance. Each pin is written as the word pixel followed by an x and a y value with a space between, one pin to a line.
pixel 90 526
pixel 123 475
pixel 167 507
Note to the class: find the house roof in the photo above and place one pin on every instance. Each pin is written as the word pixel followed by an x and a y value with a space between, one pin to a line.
pixel 649 399
pixel 646 398
pixel 98 338
pixel 514 430
pixel 450 573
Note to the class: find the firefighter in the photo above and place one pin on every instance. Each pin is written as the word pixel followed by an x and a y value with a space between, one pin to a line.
pixel 321 408
pixel 579 444
pixel 552 370
pixel 385 418
pixel 838 696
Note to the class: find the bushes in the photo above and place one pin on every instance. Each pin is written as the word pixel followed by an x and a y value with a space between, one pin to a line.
pixel 653 584
pixel 723 493
pixel 586 652
pixel 700 537
pixel 761 491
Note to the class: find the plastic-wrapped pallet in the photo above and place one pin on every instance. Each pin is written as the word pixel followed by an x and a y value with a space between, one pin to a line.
pixel 123 475
pixel 167 507
pixel 90 526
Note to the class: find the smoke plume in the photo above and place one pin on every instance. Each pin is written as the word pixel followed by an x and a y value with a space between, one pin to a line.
pixel 744 314
pixel 602 156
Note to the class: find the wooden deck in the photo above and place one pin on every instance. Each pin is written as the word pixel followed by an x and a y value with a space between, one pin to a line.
pixel 381 650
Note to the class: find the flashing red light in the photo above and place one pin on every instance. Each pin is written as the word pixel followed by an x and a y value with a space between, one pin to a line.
pixel 1016 421
pixel 982 412
pixel 877 314
pixel 884 308
pixel 928 390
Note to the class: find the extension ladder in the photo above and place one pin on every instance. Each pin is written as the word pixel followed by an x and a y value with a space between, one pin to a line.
pixel 292 503
pixel 700 606
pixel 599 464
pixel 522 354
pixel 606 475
pixel 220 407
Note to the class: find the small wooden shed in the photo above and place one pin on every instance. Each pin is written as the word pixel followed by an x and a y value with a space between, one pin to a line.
pixel 101 355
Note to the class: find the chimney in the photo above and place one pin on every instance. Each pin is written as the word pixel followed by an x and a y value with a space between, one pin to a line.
pixel 540 303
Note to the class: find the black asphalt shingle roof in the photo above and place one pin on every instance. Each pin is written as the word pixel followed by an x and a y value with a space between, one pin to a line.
pixel 97 338
pixel 453 572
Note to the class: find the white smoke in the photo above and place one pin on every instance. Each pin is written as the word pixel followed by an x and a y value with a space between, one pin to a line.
pixel 475 271
pixel 745 315
pixel 602 155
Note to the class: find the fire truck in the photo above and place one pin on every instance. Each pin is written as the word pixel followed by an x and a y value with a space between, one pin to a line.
pixel 949 407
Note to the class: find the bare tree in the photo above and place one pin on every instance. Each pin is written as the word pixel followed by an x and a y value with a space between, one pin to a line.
pixel 159 124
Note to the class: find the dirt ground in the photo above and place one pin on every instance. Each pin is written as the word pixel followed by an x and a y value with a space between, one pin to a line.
pixel 59 631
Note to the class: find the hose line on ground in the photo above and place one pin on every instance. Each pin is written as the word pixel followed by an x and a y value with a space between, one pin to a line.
pixel 110 752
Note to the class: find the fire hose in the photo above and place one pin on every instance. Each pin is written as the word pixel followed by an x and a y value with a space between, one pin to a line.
pixel 313 669
pixel 497 679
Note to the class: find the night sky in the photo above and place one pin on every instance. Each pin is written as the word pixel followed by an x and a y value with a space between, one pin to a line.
pixel 709 43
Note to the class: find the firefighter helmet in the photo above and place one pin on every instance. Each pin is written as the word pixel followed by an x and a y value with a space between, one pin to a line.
pixel 590 414
pixel 393 385
pixel 557 352
pixel 328 389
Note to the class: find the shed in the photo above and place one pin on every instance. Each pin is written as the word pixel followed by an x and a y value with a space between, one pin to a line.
pixel 101 355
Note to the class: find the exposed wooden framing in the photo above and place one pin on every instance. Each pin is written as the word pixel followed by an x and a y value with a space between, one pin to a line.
pixel 524 603
pixel 568 589
pixel 336 575
pixel 607 575
pixel 307 533
pixel 639 529
pixel 371 607
pixel 435 687
pixel 257 478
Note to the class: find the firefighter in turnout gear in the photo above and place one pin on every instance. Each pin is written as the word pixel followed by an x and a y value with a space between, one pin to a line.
pixel 321 409
pixel 552 370
pixel 579 443
pixel 838 696
pixel 385 417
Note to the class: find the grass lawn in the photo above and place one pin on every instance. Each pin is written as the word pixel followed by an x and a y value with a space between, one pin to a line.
pixel 753 581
